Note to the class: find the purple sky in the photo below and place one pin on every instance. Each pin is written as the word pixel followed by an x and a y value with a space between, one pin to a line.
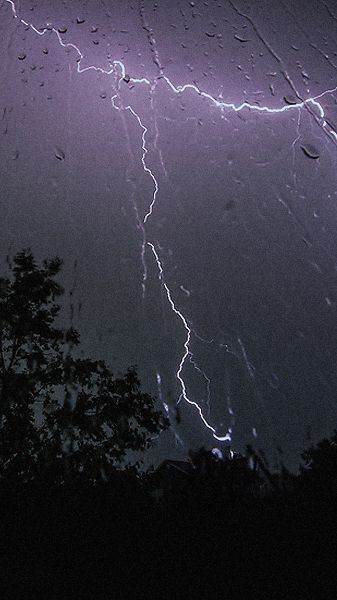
pixel 244 221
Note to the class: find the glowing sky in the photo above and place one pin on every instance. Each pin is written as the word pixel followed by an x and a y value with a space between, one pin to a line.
pixel 181 158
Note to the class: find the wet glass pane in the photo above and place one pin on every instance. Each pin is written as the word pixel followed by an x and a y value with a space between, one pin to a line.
pixel 181 158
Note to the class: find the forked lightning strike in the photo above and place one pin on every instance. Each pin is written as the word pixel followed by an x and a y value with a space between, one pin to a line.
pixel 118 70
pixel 187 352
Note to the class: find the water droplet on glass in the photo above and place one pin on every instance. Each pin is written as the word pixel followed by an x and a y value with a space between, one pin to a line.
pixel 290 99
pixel 331 124
pixel 59 154
pixel 240 38
pixel 22 56
pixel 310 151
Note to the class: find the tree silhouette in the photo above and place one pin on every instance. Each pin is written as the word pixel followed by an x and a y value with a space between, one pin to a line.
pixel 230 476
pixel 89 420
pixel 318 475
pixel 323 456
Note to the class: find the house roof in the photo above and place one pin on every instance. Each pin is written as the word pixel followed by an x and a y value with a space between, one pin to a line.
pixel 183 466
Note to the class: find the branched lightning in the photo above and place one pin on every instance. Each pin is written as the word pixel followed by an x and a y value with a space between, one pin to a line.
pixel 207 380
pixel 118 71
pixel 187 352
pixel 145 167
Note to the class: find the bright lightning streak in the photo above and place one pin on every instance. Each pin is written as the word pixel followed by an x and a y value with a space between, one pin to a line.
pixel 156 187
pixel 177 89
pixel 239 107
pixel 187 352
pixel 206 378
pixel 145 167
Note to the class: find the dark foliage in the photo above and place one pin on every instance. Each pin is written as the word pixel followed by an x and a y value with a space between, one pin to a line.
pixel 75 526
pixel 213 536
pixel 89 419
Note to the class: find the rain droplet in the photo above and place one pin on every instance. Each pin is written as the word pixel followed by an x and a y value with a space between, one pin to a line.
pixel 103 95
pixel 62 29
pixel 290 99
pixel 59 154
pixel 331 124
pixel 240 38
pixel 80 20
pixel 22 56
pixel 126 78
pixel 310 151
pixel 45 51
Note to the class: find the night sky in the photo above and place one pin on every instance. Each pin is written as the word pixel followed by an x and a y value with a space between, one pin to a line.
pixel 198 224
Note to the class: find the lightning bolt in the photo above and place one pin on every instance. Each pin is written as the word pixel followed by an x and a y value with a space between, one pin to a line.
pixel 187 352
pixel 208 382
pixel 118 71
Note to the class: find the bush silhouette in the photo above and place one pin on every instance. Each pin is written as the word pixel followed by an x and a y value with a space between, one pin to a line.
pixel 90 419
